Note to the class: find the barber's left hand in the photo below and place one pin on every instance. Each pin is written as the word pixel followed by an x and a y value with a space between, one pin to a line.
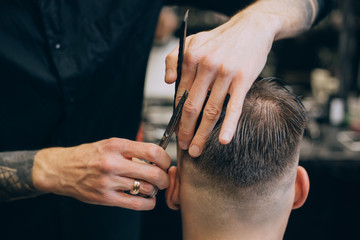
pixel 225 60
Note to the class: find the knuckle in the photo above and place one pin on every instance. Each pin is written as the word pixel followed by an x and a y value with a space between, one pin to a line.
pixel 224 71
pixel 190 58
pixel 153 151
pixel 185 134
pixel 103 183
pixel 112 144
pixel 178 97
pixel 190 107
pixel 106 165
pixel 156 175
pixel 168 162
pixel 212 112
pixel 208 64
pixel 239 76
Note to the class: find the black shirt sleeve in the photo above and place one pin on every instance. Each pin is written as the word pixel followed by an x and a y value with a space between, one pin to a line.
pixel 228 7
pixel 325 7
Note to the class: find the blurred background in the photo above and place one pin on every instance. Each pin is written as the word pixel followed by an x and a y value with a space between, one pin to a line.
pixel 322 66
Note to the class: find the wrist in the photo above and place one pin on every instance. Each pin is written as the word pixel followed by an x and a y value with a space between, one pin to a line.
pixel 257 24
pixel 284 18
pixel 42 173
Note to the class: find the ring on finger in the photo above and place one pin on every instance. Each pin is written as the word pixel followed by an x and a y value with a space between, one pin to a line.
pixel 135 189
pixel 154 192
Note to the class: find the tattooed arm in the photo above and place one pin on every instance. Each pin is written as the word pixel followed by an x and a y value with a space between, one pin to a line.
pixel 16 175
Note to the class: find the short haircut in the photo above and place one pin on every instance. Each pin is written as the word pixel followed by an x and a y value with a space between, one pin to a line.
pixel 265 144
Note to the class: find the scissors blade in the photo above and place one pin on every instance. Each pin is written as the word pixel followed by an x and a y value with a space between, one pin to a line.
pixel 183 30
pixel 173 122
pixel 175 118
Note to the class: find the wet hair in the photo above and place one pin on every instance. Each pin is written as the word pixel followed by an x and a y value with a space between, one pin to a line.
pixel 265 144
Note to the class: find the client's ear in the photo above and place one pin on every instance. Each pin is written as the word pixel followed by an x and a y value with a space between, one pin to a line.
pixel 172 193
pixel 302 186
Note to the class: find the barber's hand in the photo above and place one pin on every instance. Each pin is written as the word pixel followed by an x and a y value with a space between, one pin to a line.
pixel 100 172
pixel 225 60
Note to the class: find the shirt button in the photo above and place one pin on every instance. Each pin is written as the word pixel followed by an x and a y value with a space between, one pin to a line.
pixel 57 46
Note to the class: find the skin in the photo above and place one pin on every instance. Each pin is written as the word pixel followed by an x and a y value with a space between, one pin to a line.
pixel 100 172
pixel 15 175
pixel 223 221
pixel 210 64
pixel 226 60
pixel 96 173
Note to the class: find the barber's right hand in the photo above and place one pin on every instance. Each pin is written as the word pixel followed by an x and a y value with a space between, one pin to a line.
pixel 100 172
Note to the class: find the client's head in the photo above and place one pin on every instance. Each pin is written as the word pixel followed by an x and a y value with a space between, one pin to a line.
pixel 250 185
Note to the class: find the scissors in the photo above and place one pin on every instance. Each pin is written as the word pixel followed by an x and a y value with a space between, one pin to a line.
pixel 178 110
pixel 174 120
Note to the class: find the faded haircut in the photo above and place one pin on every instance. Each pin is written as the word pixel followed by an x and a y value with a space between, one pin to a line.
pixel 265 144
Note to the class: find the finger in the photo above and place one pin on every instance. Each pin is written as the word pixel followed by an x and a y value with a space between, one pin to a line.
pixel 171 66
pixel 193 106
pixel 210 115
pixel 146 172
pixel 147 151
pixel 121 199
pixel 126 184
pixel 188 72
pixel 233 112
pixel 117 198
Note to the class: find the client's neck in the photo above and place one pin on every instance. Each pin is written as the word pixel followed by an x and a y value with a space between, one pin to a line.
pixel 230 229
pixel 203 219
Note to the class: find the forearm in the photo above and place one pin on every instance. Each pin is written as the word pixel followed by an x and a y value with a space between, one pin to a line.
pixel 311 11
pixel 16 175
pixel 287 18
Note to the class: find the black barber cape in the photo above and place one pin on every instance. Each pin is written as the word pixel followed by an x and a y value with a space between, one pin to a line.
pixel 71 72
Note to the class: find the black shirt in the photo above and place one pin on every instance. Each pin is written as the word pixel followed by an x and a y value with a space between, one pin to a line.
pixel 71 72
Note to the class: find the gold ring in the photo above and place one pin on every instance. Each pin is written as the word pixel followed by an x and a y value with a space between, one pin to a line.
pixel 154 192
pixel 135 189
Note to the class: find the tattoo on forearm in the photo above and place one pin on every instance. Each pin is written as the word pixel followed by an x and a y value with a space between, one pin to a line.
pixel 16 175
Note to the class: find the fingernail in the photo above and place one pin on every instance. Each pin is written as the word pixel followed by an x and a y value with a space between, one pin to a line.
pixel 183 145
pixel 194 151
pixel 226 137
